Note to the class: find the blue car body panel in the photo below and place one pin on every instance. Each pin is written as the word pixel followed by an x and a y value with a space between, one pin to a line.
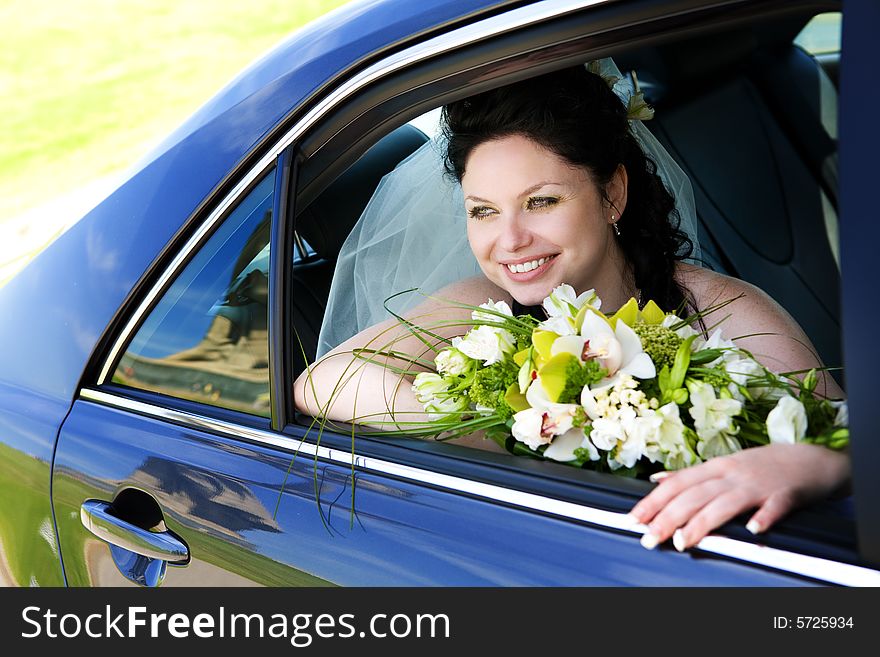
pixel 215 490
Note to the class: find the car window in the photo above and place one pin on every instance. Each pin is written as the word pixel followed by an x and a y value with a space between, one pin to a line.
pixel 207 339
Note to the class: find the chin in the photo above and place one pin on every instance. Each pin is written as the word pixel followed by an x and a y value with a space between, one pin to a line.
pixel 531 296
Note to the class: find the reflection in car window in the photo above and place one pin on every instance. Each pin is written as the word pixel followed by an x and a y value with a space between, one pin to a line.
pixel 207 339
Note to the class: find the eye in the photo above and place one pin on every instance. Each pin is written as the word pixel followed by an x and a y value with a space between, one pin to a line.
pixel 480 212
pixel 541 202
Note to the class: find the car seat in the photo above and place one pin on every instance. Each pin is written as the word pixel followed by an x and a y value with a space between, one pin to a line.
pixel 323 227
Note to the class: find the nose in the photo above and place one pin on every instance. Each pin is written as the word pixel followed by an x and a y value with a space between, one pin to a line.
pixel 515 234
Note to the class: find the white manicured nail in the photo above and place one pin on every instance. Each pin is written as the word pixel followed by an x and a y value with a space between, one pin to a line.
pixel 678 540
pixel 754 526
pixel 659 476
pixel 649 541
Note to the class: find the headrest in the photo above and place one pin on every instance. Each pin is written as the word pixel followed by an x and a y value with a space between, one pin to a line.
pixel 328 220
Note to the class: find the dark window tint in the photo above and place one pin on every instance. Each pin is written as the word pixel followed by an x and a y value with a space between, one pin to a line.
pixel 207 338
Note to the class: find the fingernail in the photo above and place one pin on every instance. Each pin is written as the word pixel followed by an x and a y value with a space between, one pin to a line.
pixel 754 526
pixel 649 541
pixel 678 540
pixel 631 517
pixel 659 476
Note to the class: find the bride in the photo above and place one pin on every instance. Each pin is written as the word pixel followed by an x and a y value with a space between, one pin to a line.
pixel 557 188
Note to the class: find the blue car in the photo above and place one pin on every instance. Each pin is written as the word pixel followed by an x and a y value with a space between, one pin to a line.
pixel 147 427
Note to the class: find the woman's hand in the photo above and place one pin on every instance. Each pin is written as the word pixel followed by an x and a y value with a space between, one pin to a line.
pixel 688 504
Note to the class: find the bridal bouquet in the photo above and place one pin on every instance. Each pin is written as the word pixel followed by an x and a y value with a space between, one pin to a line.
pixel 635 392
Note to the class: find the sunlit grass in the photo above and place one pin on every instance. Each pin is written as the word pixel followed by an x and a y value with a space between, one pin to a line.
pixel 86 87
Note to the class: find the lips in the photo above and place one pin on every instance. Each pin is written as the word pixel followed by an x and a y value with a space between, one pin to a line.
pixel 528 269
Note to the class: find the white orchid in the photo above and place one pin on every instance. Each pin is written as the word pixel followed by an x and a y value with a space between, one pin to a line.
pixel 619 351
pixel 486 343
pixel 563 307
pixel 713 420
pixel 548 423
pixel 563 447
pixel 787 422
pixel 539 426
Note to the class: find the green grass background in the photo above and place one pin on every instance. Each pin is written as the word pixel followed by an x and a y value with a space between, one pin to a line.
pixel 87 86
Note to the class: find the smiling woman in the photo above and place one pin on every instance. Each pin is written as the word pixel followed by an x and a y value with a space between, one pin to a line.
pixel 559 193
pixel 148 355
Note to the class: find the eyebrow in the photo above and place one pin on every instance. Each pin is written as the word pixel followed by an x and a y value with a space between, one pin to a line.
pixel 526 192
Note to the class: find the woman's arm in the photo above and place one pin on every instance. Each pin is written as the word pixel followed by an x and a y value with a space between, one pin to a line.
pixel 340 386
pixel 775 479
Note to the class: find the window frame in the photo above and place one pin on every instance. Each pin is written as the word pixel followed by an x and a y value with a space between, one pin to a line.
pixel 164 278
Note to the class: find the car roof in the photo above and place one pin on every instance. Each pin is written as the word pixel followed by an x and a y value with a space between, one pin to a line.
pixel 61 303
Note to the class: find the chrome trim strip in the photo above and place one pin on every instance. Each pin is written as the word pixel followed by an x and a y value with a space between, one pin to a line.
pixel 814 567
pixel 463 36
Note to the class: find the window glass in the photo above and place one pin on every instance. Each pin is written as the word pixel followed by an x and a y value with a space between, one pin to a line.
pixel 821 35
pixel 207 339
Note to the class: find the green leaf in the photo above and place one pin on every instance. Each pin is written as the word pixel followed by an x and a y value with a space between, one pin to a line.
pixel 663 380
pixel 681 363
pixel 705 356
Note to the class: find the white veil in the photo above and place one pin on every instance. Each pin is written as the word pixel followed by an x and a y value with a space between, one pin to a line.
pixel 412 234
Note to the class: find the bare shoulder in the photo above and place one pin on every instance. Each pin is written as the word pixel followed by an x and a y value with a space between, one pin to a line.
pixel 710 288
pixel 753 319
pixel 472 291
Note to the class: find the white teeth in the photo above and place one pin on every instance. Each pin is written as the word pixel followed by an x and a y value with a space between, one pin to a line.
pixel 523 267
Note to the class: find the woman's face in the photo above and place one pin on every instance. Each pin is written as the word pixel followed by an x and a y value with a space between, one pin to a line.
pixel 535 221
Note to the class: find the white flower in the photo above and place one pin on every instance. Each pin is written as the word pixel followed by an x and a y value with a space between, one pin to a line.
pixel 713 420
pixel 684 332
pixel 842 417
pixel 452 361
pixel 746 372
pixel 497 306
pixel 443 409
pixel 720 444
pixel 618 351
pixel 606 433
pixel 562 447
pixel 563 306
pixel 486 343
pixel 787 423
pixel 539 426
pixel 668 443
pixel 428 385
pixel 637 431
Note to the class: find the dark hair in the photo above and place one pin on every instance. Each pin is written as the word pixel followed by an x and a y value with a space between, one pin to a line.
pixel 574 114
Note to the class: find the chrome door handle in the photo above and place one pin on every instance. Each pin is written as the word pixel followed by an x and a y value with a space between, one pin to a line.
pixel 96 517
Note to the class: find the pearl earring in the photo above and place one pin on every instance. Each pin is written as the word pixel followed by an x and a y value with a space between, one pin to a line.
pixel 615 226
